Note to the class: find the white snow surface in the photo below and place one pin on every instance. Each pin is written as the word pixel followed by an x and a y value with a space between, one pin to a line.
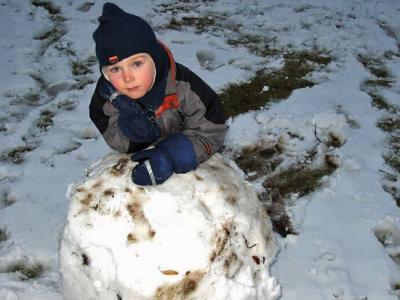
pixel 348 230
pixel 210 240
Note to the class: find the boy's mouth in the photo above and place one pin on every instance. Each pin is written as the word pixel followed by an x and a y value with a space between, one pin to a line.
pixel 132 89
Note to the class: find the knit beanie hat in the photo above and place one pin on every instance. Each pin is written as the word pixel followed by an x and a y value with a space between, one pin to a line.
pixel 120 35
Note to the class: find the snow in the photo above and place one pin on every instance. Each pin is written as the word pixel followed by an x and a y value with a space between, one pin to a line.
pixel 210 240
pixel 348 229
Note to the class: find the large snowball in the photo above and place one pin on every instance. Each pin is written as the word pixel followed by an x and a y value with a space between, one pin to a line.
pixel 200 235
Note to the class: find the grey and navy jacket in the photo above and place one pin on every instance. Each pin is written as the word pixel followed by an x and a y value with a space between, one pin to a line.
pixel 190 107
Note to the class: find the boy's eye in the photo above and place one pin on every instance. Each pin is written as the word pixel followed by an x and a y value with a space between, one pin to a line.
pixel 114 69
pixel 137 64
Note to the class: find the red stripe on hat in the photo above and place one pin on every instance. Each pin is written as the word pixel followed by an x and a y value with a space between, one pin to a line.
pixel 113 59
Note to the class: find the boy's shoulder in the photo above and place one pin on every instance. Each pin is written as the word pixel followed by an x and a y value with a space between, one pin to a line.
pixel 184 74
pixel 187 79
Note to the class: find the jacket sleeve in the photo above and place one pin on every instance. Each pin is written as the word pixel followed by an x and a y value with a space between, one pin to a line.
pixel 105 116
pixel 203 117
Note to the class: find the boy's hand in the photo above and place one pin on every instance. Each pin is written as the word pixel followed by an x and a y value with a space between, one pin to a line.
pixel 135 123
pixel 107 90
pixel 154 167
pixel 174 154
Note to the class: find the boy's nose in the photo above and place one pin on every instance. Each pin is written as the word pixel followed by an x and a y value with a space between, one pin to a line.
pixel 127 75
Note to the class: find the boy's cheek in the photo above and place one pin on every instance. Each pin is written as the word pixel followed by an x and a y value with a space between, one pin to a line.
pixel 117 85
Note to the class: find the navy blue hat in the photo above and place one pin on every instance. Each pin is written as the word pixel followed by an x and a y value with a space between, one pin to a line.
pixel 120 35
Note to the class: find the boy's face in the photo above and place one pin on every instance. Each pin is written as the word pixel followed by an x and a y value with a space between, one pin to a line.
pixel 134 76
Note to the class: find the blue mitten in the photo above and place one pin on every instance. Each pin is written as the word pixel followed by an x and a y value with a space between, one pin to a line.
pixel 181 151
pixel 174 154
pixel 154 167
pixel 106 89
pixel 135 123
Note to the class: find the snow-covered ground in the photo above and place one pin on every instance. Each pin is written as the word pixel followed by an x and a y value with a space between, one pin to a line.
pixel 348 229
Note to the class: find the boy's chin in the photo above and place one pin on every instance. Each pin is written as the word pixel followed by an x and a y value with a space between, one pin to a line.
pixel 134 95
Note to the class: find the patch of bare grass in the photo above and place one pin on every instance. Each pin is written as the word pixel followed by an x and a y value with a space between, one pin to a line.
pixel 393 190
pixel 392 158
pixel 29 99
pixel 47 5
pixel 381 103
pixel 45 120
pixel 296 181
pixel 389 124
pixel 25 270
pixel 258 161
pixel 382 79
pixel 387 233
pixel 3 235
pixel 67 104
pixel 15 155
pixel 257 44
pixel 83 67
pixel 281 183
pixel 241 97
pixel 180 20
pixel 201 24
pixel 379 82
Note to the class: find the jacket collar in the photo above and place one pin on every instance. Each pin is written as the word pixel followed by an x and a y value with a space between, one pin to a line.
pixel 171 81
pixel 171 100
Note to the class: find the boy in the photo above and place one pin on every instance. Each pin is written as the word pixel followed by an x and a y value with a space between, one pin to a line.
pixel 145 98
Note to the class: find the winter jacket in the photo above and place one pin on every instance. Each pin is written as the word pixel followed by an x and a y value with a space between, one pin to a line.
pixel 190 107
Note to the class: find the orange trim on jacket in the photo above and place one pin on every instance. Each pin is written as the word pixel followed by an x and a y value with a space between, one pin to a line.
pixel 170 101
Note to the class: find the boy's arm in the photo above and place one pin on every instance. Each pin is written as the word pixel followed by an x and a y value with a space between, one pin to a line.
pixel 203 133
pixel 105 116
pixel 204 120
